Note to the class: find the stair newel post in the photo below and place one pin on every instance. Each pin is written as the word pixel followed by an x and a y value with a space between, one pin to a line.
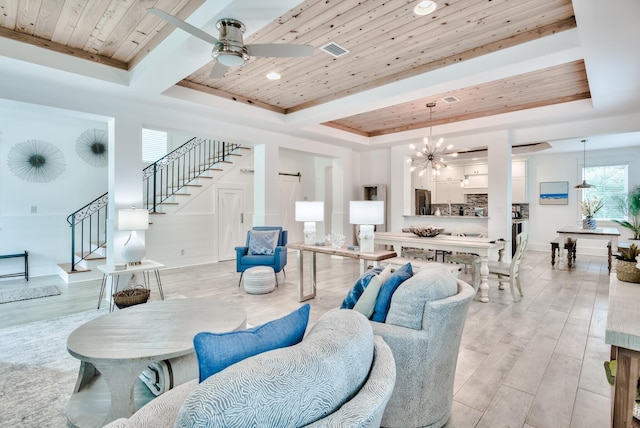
pixel 155 170
pixel 73 242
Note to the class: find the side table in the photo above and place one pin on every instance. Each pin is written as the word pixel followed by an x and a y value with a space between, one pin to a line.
pixel 115 348
pixel 145 267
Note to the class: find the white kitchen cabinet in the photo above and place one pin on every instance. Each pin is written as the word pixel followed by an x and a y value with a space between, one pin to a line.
pixel 476 169
pixel 477 181
pixel 519 190
pixel 448 189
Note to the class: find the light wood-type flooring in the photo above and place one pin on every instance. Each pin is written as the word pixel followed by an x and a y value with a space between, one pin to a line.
pixel 537 363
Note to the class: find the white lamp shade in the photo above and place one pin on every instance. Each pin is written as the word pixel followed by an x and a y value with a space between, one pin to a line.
pixel 366 212
pixel 133 219
pixel 309 210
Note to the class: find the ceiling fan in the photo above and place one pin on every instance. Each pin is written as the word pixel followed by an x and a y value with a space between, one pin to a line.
pixel 229 50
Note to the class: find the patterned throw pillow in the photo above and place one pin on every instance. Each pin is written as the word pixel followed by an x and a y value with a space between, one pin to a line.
pixel 217 351
pixel 263 242
pixel 358 288
pixel 389 287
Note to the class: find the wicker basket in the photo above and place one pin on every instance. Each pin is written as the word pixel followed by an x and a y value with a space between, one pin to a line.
pixel 627 271
pixel 131 296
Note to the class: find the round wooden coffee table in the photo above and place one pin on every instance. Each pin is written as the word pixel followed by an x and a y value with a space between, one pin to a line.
pixel 118 346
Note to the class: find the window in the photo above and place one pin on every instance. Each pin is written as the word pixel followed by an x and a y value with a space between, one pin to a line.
pixel 611 183
pixel 154 145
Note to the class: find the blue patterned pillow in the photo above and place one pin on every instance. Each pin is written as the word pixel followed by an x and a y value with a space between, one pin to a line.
pixel 383 302
pixel 217 351
pixel 358 288
pixel 263 242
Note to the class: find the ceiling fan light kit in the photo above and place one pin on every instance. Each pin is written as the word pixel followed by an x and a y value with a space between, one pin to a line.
pixel 229 50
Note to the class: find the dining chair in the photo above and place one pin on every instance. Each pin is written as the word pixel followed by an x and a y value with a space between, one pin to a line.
pixel 511 271
pixel 467 259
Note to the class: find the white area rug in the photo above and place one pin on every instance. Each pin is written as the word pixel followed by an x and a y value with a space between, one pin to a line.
pixel 37 374
pixel 27 293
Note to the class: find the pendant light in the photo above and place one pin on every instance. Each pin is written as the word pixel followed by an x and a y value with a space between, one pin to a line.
pixel 430 156
pixel 584 184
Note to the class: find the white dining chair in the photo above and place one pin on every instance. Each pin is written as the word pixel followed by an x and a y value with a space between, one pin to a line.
pixel 511 271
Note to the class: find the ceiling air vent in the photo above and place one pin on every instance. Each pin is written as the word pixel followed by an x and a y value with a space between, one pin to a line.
pixel 334 49
pixel 450 99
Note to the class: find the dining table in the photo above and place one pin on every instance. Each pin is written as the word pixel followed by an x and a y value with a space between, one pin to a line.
pixel 483 247
pixel 609 234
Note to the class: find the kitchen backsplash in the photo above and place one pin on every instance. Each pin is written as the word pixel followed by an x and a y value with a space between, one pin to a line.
pixel 476 204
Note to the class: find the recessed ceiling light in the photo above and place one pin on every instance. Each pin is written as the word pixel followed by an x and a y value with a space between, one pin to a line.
pixel 273 76
pixel 425 7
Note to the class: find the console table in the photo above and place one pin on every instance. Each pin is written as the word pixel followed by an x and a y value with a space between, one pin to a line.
pixel 109 271
pixel 610 234
pixel 26 264
pixel 375 257
pixel 623 334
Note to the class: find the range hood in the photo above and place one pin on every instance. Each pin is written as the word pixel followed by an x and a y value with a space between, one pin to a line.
pixel 475 191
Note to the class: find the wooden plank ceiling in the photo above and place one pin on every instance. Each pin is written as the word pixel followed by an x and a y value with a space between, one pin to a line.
pixel 386 43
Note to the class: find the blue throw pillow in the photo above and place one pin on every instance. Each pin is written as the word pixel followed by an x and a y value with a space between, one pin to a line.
pixel 358 288
pixel 386 292
pixel 217 351
pixel 263 242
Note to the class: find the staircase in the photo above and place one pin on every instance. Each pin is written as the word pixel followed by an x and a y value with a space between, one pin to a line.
pixel 177 175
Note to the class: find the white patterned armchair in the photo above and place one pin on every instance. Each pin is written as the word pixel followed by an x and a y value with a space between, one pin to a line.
pixel 423 329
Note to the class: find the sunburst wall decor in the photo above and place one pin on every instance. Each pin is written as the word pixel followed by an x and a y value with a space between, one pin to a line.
pixel 36 161
pixel 91 146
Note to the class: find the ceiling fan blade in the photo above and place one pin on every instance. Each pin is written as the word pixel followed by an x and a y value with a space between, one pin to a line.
pixel 279 50
pixel 194 31
pixel 218 70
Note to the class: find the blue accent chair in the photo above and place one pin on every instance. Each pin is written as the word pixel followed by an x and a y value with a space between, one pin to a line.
pixel 277 260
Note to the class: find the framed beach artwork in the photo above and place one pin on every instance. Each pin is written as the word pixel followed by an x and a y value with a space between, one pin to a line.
pixel 554 193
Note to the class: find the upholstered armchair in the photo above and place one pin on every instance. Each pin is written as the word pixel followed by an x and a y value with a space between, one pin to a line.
pixel 423 328
pixel 265 246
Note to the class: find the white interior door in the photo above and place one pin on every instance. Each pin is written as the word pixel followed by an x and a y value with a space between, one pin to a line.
pixel 231 230
pixel 290 192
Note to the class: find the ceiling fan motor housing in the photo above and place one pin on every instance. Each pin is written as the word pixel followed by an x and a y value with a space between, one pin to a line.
pixel 230 49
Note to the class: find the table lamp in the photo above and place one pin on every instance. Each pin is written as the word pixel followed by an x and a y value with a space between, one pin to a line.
pixel 309 212
pixel 366 214
pixel 133 219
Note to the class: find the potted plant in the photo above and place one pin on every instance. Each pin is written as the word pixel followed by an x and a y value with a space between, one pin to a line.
pixel 630 206
pixel 626 269
pixel 589 207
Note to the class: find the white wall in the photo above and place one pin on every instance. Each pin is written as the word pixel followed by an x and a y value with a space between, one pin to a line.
pixel 45 233
pixel 545 220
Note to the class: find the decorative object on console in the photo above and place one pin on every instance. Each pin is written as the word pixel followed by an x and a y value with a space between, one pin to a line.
pixel 584 184
pixel 589 208
pixel 427 231
pixel 366 214
pixel 335 239
pixel 309 212
pixel 36 161
pixel 430 156
pixel 132 219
